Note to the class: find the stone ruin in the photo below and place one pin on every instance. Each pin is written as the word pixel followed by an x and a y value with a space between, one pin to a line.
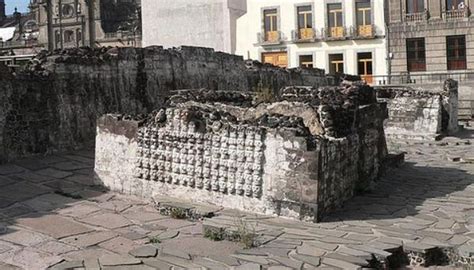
pixel 426 113
pixel 299 156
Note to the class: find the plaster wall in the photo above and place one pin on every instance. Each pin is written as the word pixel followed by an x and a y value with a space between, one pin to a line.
pixel 250 24
pixel 204 23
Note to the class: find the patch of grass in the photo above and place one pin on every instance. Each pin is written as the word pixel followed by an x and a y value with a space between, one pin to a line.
pixel 214 235
pixel 178 213
pixel 246 233
pixel 155 240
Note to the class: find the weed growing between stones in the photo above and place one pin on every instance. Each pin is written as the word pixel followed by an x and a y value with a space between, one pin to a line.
pixel 178 213
pixel 214 235
pixel 246 233
pixel 155 240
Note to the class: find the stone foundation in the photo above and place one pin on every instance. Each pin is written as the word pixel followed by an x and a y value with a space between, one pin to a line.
pixel 427 113
pixel 223 148
pixel 54 104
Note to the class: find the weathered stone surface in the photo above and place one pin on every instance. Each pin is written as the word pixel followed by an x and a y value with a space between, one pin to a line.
pixel 24 237
pixel 89 239
pixel 54 173
pixel 299 183
pixel 107 220
pixel 144 251
pixel 58 123
pixel 312 260
pixel 55 247
pixel 119 245
pixel 116 260
pixel 53 225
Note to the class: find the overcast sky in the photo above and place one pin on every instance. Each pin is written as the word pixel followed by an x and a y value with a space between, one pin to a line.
pixel 22 5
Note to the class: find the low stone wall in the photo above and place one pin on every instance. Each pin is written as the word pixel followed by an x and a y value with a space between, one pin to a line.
pixel 224 149
pixel 424 113
pixel 54 104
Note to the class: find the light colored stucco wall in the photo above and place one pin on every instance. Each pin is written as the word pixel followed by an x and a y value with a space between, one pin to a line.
pixel 205 23
pixel 249 25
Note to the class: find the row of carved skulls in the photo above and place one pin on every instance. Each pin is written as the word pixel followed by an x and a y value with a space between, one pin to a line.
pixel 248 184
pixel 200 156
pixel 246 136
pixel 219 165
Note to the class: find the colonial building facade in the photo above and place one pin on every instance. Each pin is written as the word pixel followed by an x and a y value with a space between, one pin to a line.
pixel 430 37
pixel 76 23
pixel 340 36
pixel 59 24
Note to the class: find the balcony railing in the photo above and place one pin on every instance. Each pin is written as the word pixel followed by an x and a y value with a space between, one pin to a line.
pixel 424 78
pixel 335 33
pixel 363 31
pixel 457 13
pixel 269 37
pixel 305 35
pixel 18 43
pixel 416 17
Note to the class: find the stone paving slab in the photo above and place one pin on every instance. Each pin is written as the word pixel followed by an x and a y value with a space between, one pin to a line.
pixel 53 225
pixel 56 216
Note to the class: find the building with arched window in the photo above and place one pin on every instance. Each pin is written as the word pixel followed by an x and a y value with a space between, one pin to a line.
pixel 58 24
pixel 76 23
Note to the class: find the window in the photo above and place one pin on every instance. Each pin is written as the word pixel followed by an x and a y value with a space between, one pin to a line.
pixel 335 20
pixel 455 4
pixel 364 13
pixel 279 59
pixel 78 36
pixel 57 38
pixel 364 18
pixel 271 24
pixel 456 52
pixel 415 6
pixel 305 22
pixel 336 63
pixel 365 67
pixel 68 36
pixel 67 11
pixel 306 61
pixel 416 55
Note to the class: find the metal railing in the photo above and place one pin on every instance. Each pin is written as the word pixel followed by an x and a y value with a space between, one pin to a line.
pixel 18 43
pixel 362 31
pixel 418 16
pixel 424 78
pixel 457 13
pixel 273 37
pixel 335 33
pixel 305 35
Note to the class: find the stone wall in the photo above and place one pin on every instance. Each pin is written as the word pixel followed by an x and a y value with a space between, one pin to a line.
pixel 54 104
pixel 223 148
pixel 427 112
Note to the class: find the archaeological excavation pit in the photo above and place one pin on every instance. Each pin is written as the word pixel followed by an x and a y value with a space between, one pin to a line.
pixel 300 156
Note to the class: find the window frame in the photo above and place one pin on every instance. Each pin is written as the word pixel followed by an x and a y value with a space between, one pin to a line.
pixel 459 60
pixel 418 63
pixel 336 63
pixel 416 8
pixel 305 64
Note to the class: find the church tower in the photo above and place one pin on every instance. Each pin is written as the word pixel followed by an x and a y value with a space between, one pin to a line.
pixel 2 10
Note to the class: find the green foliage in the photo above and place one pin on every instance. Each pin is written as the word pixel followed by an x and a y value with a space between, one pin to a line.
pixel 178 213
pixel 214 235
pixel 155 240
pixel 246 233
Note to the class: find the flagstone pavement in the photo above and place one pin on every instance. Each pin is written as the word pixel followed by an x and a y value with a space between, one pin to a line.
pixel 54 216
